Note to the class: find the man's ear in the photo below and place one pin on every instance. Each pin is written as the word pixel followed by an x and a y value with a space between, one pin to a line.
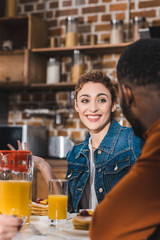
pixel 128 94
pixel 76 105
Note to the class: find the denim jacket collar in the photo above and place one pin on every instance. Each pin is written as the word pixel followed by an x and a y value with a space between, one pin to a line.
pixel 112 135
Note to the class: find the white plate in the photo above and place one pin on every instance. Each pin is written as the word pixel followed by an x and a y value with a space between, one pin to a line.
pixel 68 227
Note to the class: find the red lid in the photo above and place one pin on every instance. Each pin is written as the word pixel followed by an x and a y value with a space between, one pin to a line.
pixel 18 161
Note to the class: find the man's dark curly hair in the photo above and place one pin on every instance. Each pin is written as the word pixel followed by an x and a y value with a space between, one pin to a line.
pixel 139 64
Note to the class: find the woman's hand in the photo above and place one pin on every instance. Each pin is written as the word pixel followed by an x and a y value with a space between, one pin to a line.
pixel 19 146
pixel 9 226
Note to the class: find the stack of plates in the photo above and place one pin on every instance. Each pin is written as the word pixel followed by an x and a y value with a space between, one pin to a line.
pixel 39 209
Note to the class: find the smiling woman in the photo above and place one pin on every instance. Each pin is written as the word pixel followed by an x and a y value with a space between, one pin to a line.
pixel 109 150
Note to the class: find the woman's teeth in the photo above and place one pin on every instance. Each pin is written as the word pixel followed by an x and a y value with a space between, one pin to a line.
pixel 93 117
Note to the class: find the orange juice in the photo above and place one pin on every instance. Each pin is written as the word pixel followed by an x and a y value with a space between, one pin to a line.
pixel 57 206
pixel 15 197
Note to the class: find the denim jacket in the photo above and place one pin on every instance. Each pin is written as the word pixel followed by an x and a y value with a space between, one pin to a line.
pixel 113 159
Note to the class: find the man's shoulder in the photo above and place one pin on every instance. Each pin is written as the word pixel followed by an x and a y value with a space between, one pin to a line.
pixel 153 135
pixel 153 139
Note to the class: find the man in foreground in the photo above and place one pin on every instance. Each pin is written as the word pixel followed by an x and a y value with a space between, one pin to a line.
pixel 131 211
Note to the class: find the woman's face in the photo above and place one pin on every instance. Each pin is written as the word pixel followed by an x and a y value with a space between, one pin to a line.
pixel 94 105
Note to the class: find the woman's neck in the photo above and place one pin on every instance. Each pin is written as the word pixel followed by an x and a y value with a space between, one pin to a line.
pixel 97 137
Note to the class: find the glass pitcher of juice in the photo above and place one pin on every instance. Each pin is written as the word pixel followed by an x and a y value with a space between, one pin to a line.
pixel 16 171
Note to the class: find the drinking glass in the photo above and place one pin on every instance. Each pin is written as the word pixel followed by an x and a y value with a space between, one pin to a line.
pixel 57 201
pixel 16 172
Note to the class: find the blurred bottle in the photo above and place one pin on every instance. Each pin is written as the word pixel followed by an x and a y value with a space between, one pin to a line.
pixel 71 32
pixel 138 22
pixel 93 39
pixel 10 8
pixel 53 71
pixel 77 65
pixel 52 42
pixel 116 34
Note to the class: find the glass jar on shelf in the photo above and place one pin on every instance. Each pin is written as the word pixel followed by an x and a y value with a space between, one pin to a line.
pixel 71 32
pixel 138 23
pixel 116 34
pixel 53 71
pixel 77 65
pixel 10 8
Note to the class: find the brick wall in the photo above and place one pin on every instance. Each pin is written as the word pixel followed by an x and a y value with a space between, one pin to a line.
pixel 93 15
pixel 94 18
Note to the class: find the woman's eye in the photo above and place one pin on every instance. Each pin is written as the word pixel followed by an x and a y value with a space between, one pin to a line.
pixel 84 100
pixel 102 100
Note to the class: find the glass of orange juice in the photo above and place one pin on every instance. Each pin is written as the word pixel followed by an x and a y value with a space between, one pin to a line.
pixel 57 201
pixel 16 183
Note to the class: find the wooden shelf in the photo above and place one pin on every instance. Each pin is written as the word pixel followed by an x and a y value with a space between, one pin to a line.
pixel 87 49
pixel 17 19
pixel 39 56
pixel 58 86
pixel 21 66
pixel 13 52
pixel 15 87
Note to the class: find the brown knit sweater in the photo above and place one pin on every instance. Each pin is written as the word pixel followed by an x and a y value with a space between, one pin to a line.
pixel 131 211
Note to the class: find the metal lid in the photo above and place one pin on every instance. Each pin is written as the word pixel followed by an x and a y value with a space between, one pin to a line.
pixel 116 22
pixel 52 60
pixel 76 52
pixel 71 19
pixel 139 19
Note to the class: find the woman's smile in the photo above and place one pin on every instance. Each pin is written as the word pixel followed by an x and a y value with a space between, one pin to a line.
pixel 93 118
